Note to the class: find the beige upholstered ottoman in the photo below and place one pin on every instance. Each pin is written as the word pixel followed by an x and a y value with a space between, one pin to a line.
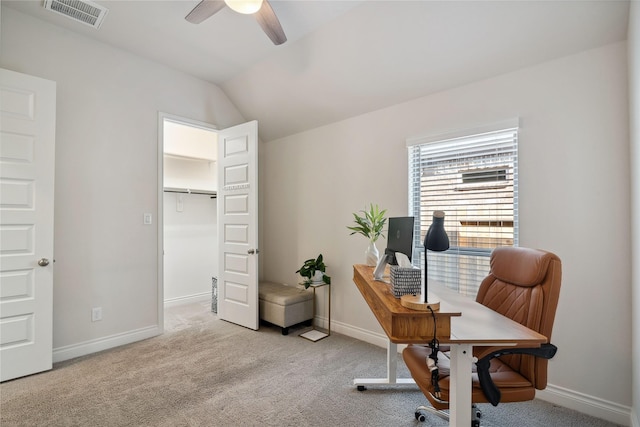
pixel 284 305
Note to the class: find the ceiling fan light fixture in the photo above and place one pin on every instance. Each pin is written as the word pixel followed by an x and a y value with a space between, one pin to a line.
pixel 244 6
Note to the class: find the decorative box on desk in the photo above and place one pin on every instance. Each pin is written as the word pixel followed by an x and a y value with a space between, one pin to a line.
pixel 405 280
pixel 401 324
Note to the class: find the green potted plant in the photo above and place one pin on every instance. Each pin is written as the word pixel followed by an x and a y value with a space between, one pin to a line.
pixel 313 271
pixel 370 224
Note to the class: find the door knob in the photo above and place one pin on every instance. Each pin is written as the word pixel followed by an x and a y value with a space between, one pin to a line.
pixel 252 251
pixel 43 262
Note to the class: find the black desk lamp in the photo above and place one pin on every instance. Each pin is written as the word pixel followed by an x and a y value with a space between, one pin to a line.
pixel 435 240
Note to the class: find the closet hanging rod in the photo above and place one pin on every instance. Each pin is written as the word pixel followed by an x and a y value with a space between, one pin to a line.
pixel 213 194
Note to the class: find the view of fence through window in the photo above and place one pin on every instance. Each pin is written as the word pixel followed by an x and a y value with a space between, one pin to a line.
pixel 473 179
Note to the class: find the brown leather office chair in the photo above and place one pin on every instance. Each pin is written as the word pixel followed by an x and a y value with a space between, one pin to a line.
pixel 524 285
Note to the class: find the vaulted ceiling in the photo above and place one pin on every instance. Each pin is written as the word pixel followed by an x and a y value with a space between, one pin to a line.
pixel 345 58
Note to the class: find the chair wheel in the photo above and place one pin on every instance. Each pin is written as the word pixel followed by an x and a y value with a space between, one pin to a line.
pixel 475 423
pixel 475 412
pixel 420 416
pixel 361 388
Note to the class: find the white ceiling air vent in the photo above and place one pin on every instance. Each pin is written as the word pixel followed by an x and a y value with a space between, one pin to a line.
pixel 84 11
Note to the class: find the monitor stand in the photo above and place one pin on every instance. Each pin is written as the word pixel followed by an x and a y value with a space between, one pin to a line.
pixel 379 271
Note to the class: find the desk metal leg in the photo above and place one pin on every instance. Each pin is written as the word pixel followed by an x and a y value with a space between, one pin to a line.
pixel 460 393
pixel 392 371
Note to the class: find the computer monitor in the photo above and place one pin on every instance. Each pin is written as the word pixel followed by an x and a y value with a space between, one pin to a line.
pixel 399 238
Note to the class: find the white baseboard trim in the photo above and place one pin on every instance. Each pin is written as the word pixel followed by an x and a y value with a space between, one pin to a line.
pixel 82 349
pixel 378 339
pixel 187 299
pixel 590 405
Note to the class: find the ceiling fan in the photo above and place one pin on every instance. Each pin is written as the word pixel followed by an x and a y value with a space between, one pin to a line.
pixel 261 9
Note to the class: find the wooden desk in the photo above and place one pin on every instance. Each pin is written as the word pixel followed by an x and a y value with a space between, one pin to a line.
pixel 401 324
pixel 471 324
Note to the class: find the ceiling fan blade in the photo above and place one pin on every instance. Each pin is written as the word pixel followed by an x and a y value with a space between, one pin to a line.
pixel 204 10
pixel 269 22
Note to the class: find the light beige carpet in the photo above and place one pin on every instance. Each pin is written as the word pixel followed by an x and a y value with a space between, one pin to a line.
pixel 207 372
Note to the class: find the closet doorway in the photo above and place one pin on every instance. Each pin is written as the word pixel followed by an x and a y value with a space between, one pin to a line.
pixel 189 210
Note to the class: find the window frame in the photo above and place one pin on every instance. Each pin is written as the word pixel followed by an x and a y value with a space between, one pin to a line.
pixel 415 200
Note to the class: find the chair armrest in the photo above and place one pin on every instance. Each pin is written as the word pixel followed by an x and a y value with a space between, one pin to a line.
pixel 490 390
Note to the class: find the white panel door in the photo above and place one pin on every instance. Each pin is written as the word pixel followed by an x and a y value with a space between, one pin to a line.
pixel 27 149
pixel 238 224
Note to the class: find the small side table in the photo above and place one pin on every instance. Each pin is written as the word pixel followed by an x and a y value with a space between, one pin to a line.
pixel 314 334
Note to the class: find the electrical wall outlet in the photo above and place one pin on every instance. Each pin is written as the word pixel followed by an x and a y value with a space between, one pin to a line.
pixel 96 314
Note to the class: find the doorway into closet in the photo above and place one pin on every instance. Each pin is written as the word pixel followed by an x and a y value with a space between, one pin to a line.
pixel 189 210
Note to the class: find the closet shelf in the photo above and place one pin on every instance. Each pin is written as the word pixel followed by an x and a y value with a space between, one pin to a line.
pixel 211 193
pixel 188 157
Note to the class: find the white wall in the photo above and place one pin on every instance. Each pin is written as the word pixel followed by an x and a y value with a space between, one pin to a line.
pixel 190 247
pixel 574 179
pixel 634 114
pixel 106 175
pixel 574 151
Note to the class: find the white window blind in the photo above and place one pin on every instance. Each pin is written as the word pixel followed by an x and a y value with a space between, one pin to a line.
pixel 474 180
